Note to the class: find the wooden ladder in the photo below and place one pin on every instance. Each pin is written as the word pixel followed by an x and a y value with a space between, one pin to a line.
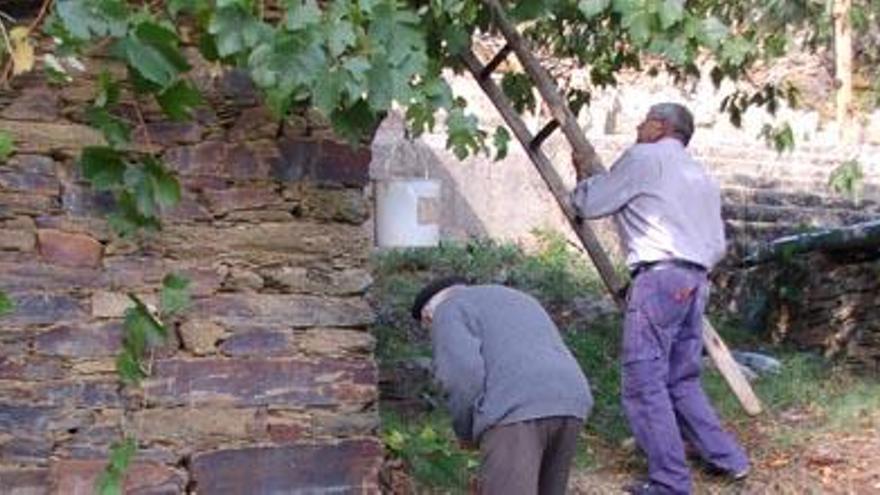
pixel 564 119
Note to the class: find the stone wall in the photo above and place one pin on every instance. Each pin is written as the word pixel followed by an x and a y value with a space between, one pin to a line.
pixel 268 384
pixel 820 301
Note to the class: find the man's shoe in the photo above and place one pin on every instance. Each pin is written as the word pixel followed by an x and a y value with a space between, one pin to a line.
pixel 645 488
pixel 739 475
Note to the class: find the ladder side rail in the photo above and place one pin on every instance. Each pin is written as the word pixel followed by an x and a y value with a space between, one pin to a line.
pixel 551 177
pixel 547 88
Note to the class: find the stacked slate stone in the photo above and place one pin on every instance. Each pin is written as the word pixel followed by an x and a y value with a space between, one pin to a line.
pixel 268 383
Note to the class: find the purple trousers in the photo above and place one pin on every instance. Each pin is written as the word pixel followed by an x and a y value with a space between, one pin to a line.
pixel 662 395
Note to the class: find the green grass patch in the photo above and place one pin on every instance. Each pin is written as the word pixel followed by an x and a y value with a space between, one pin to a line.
pixel 596 347
pixel 832 396
pixel 426 444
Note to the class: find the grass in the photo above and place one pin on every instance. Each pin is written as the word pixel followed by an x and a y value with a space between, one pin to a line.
pixel 595 346
pixel 810 395
pixel 426 444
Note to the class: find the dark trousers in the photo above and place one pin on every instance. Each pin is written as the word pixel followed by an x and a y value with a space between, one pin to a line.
pixel 528 457
pixel 662 394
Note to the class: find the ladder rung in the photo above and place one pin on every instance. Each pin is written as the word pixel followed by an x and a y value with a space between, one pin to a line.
pixel 544 134
pixel 496 61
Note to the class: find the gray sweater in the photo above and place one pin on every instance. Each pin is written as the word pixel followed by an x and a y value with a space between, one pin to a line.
pixel 500 359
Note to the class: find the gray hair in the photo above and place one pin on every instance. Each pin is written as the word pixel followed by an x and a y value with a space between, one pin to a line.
pixel 678 117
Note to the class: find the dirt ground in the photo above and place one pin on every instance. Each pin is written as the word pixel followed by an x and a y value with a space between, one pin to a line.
pixel 790 455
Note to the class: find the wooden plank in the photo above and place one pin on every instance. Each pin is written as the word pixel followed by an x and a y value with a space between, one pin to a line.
pixel 729 369
pixel 495 62
pixel 544 133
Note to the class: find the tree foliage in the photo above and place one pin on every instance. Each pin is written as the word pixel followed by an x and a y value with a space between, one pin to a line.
pixel 354 59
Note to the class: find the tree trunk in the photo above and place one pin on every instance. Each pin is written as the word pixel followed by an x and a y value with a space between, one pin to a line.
pixel 843 69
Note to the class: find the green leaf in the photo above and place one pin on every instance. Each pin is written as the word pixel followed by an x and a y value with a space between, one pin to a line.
pixel 458 40
pixel 501 141
pixel 179 100
pixel 194 7
pixel 327 92
pixel 780 138
pixel 673 50
pixel 149 62
pixel 6 304
pixel 142 327
pixel 109 483
pixel 115 130
pixel 279 101
pixel 142 188
pixel 340 36
pixel 848 180
pixel 639 26
pixel 355 82
pixel 175 294
pixel 165 187
pixel 529 9
pixel 128 367
pixel 86 19
pixel 398 54
pixel 163 40
pixel 713 32
pixel 380 83
pixel 395 440
pixel 302 14
pixel 592 8
pixel 735 50
pixel 102 166
pixel 6 146
pixel 108 91
pixel 290 61
pixel 463 135
pixel 420 118
pixel 353 122
pixel 671 11
pixel 236 30
pixel 126 220
pixel 518 89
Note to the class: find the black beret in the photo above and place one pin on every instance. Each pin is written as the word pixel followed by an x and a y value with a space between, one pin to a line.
pixel 430 290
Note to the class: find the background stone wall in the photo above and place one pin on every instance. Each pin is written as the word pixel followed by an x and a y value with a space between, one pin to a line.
pixel 268 384
pixel 828 302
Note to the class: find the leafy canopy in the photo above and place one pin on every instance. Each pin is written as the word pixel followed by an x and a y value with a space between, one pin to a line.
pixel 353 60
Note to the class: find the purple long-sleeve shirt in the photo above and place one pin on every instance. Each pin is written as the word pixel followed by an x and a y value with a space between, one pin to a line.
pixel 664 203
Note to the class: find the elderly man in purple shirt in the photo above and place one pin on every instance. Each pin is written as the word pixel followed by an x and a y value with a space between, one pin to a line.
pixel 668 213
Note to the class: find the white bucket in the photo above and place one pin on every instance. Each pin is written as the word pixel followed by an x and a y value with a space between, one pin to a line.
pixel 407 212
